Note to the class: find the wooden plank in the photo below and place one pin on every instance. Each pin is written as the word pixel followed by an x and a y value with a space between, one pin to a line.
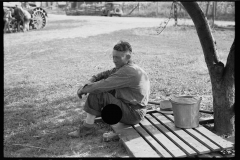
pixel 182 134
pixel 224 144
pixel 206 121
pixel 208 112
pixel 203 111
pixel 156 103
pixel 162 139
pixel 189 151
pixel 134 143
pixel 200 137
pixel 219 141
pixel 216 155
pixel 155 144
pixel 205 156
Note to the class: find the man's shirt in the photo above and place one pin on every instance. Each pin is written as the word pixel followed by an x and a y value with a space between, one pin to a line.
pixel 21 13
pixel 18 13
pixel 130 82
pixel 27 15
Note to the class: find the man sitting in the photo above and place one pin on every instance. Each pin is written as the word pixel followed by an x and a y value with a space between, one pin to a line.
pixel 127 86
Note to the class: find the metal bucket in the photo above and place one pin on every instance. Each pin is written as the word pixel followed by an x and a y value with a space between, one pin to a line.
pixel 186 111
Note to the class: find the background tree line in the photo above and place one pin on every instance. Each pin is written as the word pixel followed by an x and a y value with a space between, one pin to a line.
pixel 224 10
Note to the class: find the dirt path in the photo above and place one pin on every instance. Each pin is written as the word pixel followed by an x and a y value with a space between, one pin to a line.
pixel 100 25
pixel 86 26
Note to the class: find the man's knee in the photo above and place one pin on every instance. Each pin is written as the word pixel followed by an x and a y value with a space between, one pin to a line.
pixel 102 98
pixel 96 96
pixel 92 96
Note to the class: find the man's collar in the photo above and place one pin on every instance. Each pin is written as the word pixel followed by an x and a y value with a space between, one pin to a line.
pixel 130 61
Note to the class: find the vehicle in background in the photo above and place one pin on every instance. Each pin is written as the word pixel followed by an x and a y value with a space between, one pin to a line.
pixel 112 9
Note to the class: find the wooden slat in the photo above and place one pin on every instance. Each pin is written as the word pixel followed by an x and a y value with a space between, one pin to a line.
pixel 208 112
pixel 205 156
pixel 203 111
pixel 133 142
pixel 171 136
pixel 216 155
pixel 181 133
pixel 162 139
pixel 206 121
pixel 156 103
pixel 156 145
pixel 200 137
pixel 224 144
pixel 201 120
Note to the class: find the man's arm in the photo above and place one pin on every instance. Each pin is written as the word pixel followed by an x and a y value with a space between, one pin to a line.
pixel 95 78
pixel 117 80
pixel 102 75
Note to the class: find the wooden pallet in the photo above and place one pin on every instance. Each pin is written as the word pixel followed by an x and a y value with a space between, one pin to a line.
pixel 157 136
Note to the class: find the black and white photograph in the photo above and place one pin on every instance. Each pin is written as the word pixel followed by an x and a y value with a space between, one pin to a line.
pixel 119 79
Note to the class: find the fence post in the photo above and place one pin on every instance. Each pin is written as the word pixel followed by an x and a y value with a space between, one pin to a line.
pixel 175 12
pixel 216 10
pixel 208 3
pixel 213 14
pixel 138 7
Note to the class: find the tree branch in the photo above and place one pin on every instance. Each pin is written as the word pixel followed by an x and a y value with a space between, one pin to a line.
pixel 204 33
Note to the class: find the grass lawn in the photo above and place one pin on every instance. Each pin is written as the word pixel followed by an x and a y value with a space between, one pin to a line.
pixel 41 79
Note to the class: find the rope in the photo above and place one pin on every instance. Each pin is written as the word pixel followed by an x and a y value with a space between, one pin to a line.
pixel 165 22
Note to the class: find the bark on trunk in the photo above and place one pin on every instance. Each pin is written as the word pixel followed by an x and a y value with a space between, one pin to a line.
pixel 222 78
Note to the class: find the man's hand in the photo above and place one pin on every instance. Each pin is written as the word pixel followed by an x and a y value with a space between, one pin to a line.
pixel 91 80
pixel 80 92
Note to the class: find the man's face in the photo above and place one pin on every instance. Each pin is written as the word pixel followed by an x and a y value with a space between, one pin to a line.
pixel 119 58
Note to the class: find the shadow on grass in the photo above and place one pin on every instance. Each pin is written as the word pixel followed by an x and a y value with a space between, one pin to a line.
pixel 41 129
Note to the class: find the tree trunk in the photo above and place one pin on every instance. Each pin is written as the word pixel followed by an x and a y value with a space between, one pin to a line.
pixel 222 78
